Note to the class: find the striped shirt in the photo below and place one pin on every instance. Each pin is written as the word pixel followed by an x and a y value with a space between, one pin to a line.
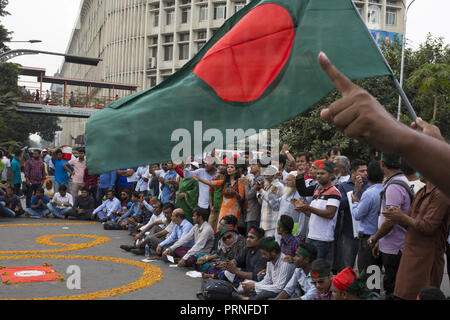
pixel 322 229
pixel 277 276
pixel 35 171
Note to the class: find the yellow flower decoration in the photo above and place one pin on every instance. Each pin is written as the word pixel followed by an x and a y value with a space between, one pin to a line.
pixel 150 276
pixel 47 240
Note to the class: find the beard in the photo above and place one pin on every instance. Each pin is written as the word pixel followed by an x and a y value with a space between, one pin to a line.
pixel 288 191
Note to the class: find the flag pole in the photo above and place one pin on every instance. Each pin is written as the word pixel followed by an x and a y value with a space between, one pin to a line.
pixel 405 99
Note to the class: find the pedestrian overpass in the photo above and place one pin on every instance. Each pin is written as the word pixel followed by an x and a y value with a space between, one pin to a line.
pixel 64 102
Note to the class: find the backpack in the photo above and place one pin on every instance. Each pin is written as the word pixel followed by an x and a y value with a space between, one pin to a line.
pixel 402 183
pixel 213 289
pixel 111 225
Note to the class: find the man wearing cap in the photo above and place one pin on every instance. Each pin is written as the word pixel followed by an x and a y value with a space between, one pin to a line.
pixel 390 237
pixel 288 243
pixel 249 263
pixel 347 286
pixel 300 287
pixel 322 211
pixel 278 272
pixel 273 188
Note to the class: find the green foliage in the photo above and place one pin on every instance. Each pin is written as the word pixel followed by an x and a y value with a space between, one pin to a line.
pixel 308 132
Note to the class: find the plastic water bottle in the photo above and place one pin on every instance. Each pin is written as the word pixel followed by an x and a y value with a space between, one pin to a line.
pixel 147 250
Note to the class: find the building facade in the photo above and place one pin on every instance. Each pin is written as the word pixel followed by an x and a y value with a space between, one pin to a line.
pixel 143 42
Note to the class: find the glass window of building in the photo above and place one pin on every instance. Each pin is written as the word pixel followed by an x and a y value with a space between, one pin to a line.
pixel 185 15
pixel 201 35
pixel 238 6
pixel 391 16
pixel 184 51
pixel 170 14
pixel 374 15
pixel 203 14
pixel 200 45
pixel 168 53
pixel 184 37
pixel 220 11
pixel 156 19
pixel 168 38
pixel 152 81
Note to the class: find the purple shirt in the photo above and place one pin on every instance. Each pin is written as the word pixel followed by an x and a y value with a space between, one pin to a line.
pixel 396 196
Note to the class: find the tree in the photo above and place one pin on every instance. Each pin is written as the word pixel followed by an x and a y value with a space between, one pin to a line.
pixel 308 132
pixel 432 79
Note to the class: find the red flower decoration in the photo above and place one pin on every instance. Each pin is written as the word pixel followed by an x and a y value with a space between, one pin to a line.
pixel 230 227
pixel 252 230
pixel 315 275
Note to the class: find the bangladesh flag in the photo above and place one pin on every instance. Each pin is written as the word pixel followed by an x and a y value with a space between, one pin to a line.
pixel 257 71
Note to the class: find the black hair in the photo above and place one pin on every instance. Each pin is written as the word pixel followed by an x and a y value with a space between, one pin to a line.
pixel 82 150
pixel 40 190
pixel 84 189
pixel 303 154
pixel 18 152
pixel 58 151
pixel 374 172
pixel 282 159
pixel 135 194
pixel 431 293
pixel 230 219
pixel 263 245
pixel 168 205
pixel 406 168
pixel 62 188
pixel 334 150
pixel 259 231
pixel 112 191
pixel 288 223
pixel 310 248
pixel 201 212
pixel 357 163
pixel 389 164
pixel 320 265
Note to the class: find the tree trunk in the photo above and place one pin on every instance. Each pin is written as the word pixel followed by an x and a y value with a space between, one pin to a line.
pixel 435 107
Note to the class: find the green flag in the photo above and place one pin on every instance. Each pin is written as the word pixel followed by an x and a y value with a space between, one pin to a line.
pixel 257 71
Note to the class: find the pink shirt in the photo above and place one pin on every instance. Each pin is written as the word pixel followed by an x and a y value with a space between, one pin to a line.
pixel 78 168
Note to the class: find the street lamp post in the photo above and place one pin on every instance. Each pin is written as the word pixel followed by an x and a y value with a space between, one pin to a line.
pixel 402 66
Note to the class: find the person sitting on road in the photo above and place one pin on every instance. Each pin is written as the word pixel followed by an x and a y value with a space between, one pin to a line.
pixel 132 212
pixel 38 205
pixel 108 210
pixel 61 203
pixel 83 206
pixel 201 234
pixel 10 205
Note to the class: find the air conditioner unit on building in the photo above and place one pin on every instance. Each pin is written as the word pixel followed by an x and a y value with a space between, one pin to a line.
pixel 152 63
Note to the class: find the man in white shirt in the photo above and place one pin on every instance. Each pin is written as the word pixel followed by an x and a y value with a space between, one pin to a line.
pixel 207 173
pixel 61 203
pixel 278 273
pixel 273 188
pixel 7 163
pixel 142 183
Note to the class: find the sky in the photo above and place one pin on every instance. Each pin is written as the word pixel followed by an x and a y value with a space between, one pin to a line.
pixel 52 21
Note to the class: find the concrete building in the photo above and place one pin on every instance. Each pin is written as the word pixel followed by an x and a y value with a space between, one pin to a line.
pixel 143 42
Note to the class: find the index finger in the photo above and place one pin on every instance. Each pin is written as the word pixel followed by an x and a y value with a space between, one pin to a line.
pixel 340 81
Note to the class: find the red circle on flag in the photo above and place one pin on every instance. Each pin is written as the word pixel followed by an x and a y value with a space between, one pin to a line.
pixel 246 60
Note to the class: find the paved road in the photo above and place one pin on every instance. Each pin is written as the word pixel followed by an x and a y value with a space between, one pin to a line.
pixel 95 275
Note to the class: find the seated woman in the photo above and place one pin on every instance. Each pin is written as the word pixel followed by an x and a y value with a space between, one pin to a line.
pixel 49 189
pixel 230 244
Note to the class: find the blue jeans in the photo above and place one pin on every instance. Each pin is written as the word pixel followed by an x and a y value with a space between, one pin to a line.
pixel 58 212
pixel 38 213
pixel 5 212
pixel 347 249
pixel 322 247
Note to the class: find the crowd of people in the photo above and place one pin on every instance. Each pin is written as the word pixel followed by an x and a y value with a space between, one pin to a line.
pixel 297 228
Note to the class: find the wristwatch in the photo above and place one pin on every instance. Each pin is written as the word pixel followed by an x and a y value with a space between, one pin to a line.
pixel 371 240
